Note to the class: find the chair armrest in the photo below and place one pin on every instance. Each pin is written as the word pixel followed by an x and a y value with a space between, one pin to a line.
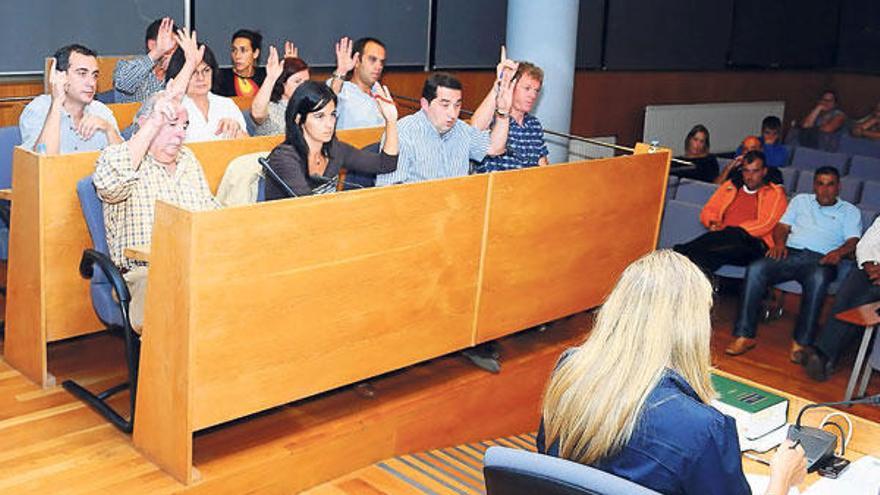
pixel 90 258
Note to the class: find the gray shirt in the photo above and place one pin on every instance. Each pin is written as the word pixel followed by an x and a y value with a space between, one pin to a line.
pixel 274 123
pixel 134 79
pixel 34 117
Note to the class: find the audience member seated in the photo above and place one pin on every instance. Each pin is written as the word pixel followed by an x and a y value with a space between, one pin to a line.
pixel 211 117
pixel 740 216
pixel 309 159
pixel 525 136
pixel 819 128
pixel 69 119
pixel 136 79
pixel 771 144
pixel 868 126
pixel 435 144
pixel 366 61
pixel 282 79
pixel 696 151
pixel 733 169
pixel 634 399
pixel 816 232
pixel 245 77
pixel 861 286
pixel 153 164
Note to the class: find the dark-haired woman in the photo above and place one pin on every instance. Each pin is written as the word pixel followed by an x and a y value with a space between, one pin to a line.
pixel 282 79
pixel 245 77
pixel 310 157
pixel 696 151
pixel 211 117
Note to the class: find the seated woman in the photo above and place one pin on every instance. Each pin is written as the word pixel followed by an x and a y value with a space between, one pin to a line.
pixel 696 151
pixel 282 79
pixel 245 77
pixel 211 117
pixel 633 400
pixel 868 126
pixel 310 157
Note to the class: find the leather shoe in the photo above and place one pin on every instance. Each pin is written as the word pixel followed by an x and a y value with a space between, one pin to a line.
pixel 798 353
pixel 739 346
pixel 818 367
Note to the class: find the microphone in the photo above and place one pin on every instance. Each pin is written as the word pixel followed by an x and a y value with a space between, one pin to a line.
pixel 818 444
pixel 274 176
pixel 327 180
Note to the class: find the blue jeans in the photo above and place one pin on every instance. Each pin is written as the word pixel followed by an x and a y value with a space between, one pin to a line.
pixel 801 265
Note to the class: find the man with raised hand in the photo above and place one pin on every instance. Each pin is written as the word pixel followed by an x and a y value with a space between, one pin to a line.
pixel 365 59
pixel 138 78
pixel 69 119
pixel 130 177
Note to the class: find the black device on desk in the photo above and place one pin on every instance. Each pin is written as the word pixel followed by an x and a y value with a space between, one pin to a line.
pixel 818 444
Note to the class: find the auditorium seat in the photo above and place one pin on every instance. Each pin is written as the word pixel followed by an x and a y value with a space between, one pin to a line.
pixel 681 223
pixel 10 137
pixel 870 195
pixel 850 187
pixel 671 187
pixel 810 159
pixel 518 472
pixel 790 179
pixel 865 167
pixel 858 146
pixel 696 192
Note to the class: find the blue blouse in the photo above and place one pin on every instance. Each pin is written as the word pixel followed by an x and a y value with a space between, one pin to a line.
pixel 679 446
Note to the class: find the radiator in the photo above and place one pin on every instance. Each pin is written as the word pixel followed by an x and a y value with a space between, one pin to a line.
pixel 579 150
pixel 728 123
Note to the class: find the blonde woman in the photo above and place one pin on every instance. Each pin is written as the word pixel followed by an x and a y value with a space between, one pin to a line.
pixel 633 399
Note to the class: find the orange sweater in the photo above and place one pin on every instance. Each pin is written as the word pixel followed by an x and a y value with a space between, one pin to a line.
pixel 771 206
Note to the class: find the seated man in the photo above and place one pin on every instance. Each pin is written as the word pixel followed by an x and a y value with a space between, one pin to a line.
pixel 861 286
pixel 435 144
pixel 868 126
pixel 819 128
pixel 750 143
pixel 815 233
pixel 138 78
pixel 366 61
pixel 69 119
pixel 153 165
pixel 771 139
pixel 740 217
pixel 525 137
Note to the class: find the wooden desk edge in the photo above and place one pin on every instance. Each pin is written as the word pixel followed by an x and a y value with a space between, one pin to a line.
pixel 138 253
pixel 6 194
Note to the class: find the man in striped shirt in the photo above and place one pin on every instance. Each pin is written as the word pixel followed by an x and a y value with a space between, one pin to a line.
pixel 138 78
pixel 525 139
pixel 435 144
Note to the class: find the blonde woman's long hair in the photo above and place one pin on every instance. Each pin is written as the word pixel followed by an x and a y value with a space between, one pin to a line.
pixel 657 317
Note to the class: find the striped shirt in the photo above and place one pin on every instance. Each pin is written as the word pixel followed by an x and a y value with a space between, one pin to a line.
pixel 426 154
pixel 134 79
pixel 525 146
pixel 130 195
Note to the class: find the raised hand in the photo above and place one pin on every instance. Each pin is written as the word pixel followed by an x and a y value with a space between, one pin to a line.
pixel 165 41
pixel 345 62
pixel 505 64
pixel 274 67
pixel 504 98
pixel 385 103
pixel 229 129
pixel 189 43
pixel 290 50
pixel 57 83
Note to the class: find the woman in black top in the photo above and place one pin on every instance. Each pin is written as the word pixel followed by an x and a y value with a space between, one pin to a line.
pixel 310 157
pixel 696 151
pixel 246 76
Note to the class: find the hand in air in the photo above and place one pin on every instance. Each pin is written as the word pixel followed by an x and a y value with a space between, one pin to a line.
pixel 274 66
pixel 57 83
pixel 189 44
pixel 385 103
pixel 290 50
pixel 345 62
pixel 165 40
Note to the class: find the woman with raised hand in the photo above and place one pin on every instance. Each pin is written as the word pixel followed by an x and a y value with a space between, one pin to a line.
pixel 309 159
pixel 633 400
pixel 282 79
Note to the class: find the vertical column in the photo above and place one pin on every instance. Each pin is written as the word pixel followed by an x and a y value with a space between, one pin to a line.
pixel 545 33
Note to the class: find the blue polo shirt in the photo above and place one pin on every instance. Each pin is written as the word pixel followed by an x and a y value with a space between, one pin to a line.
pixel 525 146
pixel 820 228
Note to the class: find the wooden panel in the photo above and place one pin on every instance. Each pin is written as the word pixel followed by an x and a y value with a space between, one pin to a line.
pixel 405 276
pixel 124 113
pixel 165 390
pixel 558 237
pixel 106 67
pixel 25 344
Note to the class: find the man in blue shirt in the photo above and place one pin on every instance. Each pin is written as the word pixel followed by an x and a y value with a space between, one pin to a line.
pixel 69 119
pixel 816 232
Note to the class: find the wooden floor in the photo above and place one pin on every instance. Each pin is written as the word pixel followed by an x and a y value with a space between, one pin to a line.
pixel 51 443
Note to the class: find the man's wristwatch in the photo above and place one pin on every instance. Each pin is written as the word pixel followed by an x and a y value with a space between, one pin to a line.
pixel 339 76
pixel 501 114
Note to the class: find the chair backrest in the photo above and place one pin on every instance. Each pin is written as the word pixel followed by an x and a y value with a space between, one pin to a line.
pixel 868 217
pixel 10 137
pixel 790 177
pixel 696 192
pixel 870 195
pixel 865 167
pixel 104 304
pixel 671 186
pixel 519 472
pixel 858 146
pixel 850 187
pixel 810 159
pixel 681 223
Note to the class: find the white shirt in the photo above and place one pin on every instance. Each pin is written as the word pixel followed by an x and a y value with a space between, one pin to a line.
pixel 356 108
pixel 868 249
pixel 219 108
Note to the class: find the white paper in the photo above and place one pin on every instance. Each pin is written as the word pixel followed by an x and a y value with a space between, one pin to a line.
pixel 759 483
pixel 862 477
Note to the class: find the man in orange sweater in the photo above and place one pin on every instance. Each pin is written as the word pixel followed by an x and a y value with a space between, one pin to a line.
pixel 740 217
